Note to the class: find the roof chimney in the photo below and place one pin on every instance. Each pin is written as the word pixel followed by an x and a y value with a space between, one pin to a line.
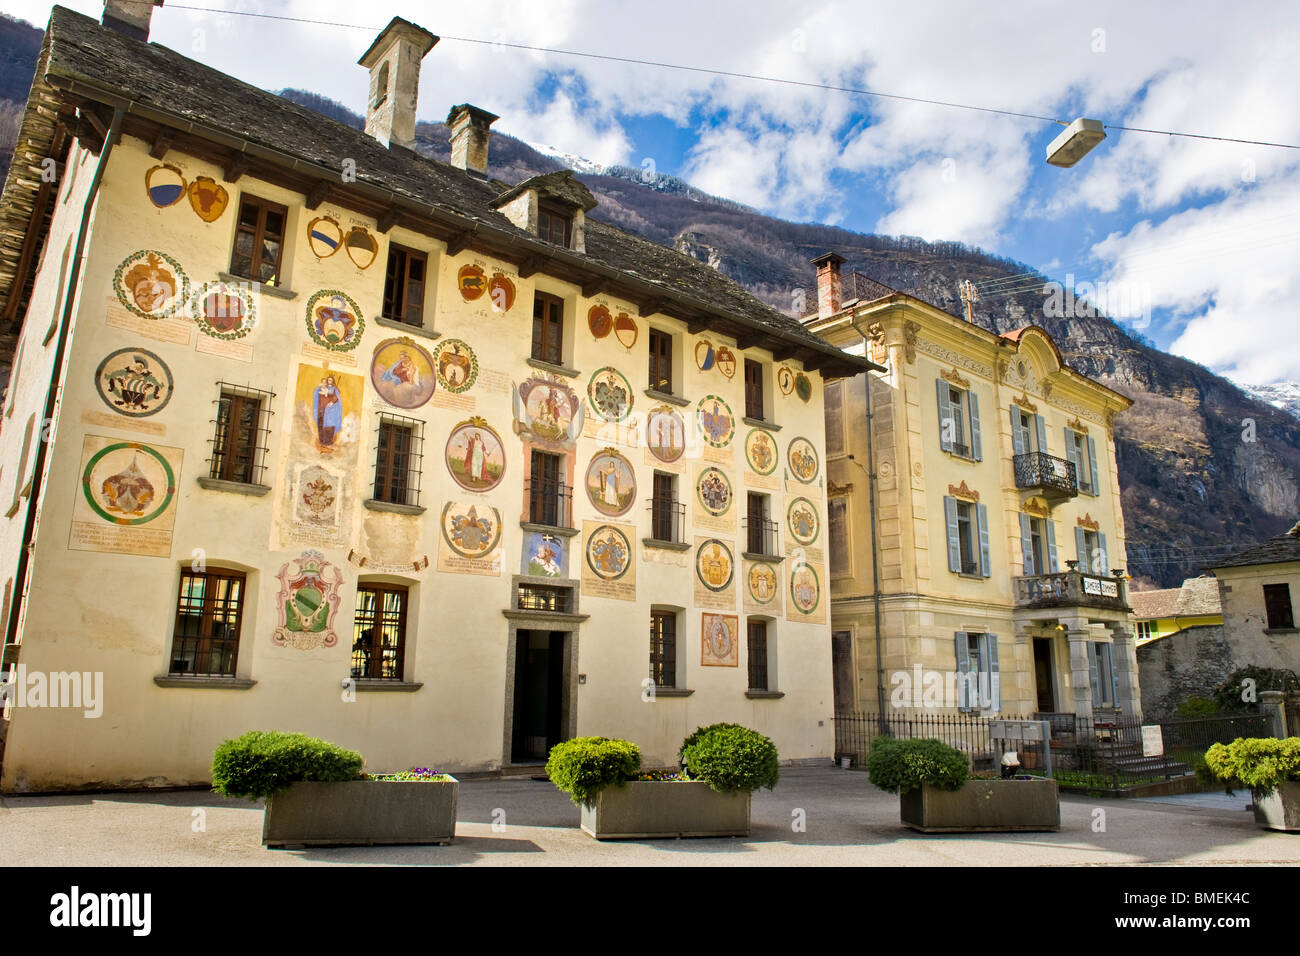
pixel 470 135
pixel 830 290
pixel 394 64
pixel 129 17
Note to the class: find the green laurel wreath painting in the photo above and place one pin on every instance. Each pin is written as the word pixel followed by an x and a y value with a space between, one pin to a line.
pixel 129 490
pixel 456 365
pixel 151 284
pixel 336 325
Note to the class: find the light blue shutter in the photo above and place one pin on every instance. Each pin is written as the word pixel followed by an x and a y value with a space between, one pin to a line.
pixel 1042 433
pixel 1081 549
pixel 995 679
pixel 1050 525
pixel 963 670
pixel 1072 453
pixel 1092 671
pixel 1027 545
pixel 977 449
pixel 954 536
pixel 946 429
pixel 1018 444
pixel 982 516
pixel 1103 559
pixel 1114 678
pixel 1092 464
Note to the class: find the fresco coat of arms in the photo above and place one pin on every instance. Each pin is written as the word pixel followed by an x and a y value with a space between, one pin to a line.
pixel 309 599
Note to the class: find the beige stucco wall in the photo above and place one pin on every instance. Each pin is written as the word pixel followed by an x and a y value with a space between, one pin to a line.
pixel 114 613
pixel 1245 624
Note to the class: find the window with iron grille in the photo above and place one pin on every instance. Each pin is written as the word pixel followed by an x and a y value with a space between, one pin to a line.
pixel 242 432
pixel 667 514
pixel 404 285
pixel 549 498
pixel 543 597
pixel 757 655
pixel 398 452
pixel 205 639
pixel 259 240
pixel 1277 606
pixel 379 631
pixel 753 389
pixel 663 648
pixel 661 361
pixel 760 530
pixel 554 225
pixel 548 328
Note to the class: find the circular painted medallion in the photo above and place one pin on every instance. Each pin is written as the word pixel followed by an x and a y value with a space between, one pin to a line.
pixel 362 247
pixel 165 185
pixel 324 236
pixel 224 310
pixel 665 433
pixel 457 366
pixel 785 380
pixel 599 321
pixel 803 460
pixel 761 582
pixel 128 483
pixel 802 519
pixel 609 554
pixel 805 589
pixel 803 386
pixel 501 291
pixel 472 282
pixel 334 320
pixel 760 451
pixel 726 362
pixel 134 382
pixel 714 492
pixel 714 565
pixel 208 198
pixel 610 394
pixel 611 483
pixel 151 284
pixel 625 330
pixel 402 373
pixel 717 424
pixel 475 455
pixel 471 529
pixel 704 356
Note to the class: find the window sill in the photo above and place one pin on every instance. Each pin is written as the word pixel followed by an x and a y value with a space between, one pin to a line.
pixel 551 617
pixel 548 529
pixel 760 556
pixel 764 694
pixel 1282 630
pixel 419 330
pixel 665 545
pixel 405 686
pixel 672 692
pixel 972 577
pixel 206 683
pixel 234 487
pixel 261 287
pixel 556 369
pixel 375 505
pixel 668 397
pixel 961 457
pixel 761 423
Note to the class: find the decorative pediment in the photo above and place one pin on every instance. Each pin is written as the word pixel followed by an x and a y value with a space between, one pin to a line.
pixel 1087 522
pixel 955 378
pixel 1077 425
pixel 1038 507
pixel 1024 402
pixel 961 491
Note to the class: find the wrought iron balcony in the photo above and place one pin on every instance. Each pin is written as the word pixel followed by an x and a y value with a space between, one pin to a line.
pixel 1071 589
pixel 1053 478
pixel 760 537
pixel 667 519
pixel 549 502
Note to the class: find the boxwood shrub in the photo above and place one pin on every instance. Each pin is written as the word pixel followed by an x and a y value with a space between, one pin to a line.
pixel 264 762
pixel 584 766
pixel 898 766
pixel 1259 763
pixel 730 758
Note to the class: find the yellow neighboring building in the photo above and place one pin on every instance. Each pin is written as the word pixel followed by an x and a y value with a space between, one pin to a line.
pixel 1170 610
pixel 997 517
pixel 308 432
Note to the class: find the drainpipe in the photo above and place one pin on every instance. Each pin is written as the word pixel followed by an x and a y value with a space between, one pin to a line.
pixel 870 471
pixel 19 602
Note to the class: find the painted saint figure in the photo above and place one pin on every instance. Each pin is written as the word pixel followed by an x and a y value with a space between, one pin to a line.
pixel 475 459
pixel 327 410
pixel 402 372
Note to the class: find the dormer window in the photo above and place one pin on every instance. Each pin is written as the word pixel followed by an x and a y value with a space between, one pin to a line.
pixel 554 225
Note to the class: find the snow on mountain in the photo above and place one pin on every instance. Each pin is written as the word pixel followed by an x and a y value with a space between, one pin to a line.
pixel 1283 395
pixel 578 164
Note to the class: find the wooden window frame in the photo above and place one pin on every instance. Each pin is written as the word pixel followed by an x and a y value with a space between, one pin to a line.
pixel 552 318
pixel 755 391
pixel 372 667
pixel 663 648
pixel 661 361
pixel 395 306
pixel 264 206
pixel 1273 605
pixel 223 462
pixel 547 496
pixel 758 656
pixel 547 215
pixel 204 640
pixel 384 487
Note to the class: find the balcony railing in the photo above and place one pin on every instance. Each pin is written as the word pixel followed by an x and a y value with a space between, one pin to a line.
pixel 1071 589
pixel 1054 477
pixel 667 520
pixel 550 502
pixel 760 537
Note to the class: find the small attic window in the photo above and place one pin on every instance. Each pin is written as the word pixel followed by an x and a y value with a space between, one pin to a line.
pixel 381 87
pixel 554 225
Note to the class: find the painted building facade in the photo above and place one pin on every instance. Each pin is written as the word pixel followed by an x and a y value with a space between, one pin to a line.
pixel 997 517
pixel 309 432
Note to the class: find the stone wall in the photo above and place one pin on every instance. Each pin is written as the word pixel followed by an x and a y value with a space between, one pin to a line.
pixel 1194 660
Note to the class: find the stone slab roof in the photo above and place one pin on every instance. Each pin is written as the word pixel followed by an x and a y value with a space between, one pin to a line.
pixel 1197 597
pixel 1279 549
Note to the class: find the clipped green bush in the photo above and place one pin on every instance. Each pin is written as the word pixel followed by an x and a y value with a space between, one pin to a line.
pixel 731 758
pixel 584 766
pixel 1197 706
pixel 1257 763
pixel 264 762
pixel 898 766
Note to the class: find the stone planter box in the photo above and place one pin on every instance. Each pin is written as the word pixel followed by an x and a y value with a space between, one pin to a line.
pixel 989 805
pixel 362 813
pixel 643 809
pixel 1279 809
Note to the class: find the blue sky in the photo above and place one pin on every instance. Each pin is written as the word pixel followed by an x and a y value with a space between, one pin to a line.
pixel 1198 239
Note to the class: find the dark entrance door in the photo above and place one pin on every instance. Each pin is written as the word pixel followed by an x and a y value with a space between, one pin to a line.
pixel 539 694
pixel 1043 675
pixel 842 664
